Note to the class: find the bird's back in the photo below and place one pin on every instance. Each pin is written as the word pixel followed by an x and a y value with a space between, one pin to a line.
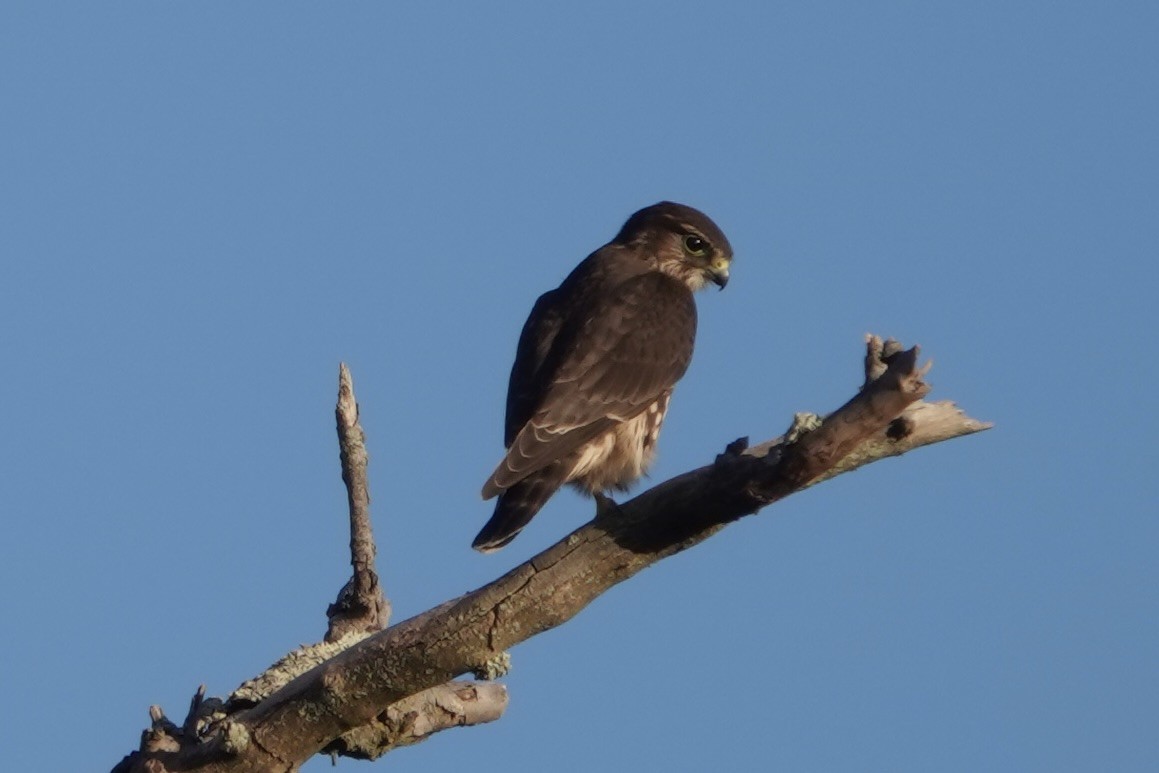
pixel 551 328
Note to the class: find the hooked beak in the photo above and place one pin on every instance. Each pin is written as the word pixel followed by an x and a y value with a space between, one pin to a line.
pixel 718 272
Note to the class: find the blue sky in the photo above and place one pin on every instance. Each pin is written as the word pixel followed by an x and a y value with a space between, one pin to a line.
pixel 206 207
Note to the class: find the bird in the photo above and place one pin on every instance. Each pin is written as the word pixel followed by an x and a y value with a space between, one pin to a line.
pixel 596 363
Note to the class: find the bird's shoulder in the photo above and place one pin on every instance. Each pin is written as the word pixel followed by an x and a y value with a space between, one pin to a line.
pixel 550 329
pixel 611 276
pixel 595 283
pixel 613 312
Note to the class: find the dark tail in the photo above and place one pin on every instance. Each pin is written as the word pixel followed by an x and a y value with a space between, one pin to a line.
pixel 517 506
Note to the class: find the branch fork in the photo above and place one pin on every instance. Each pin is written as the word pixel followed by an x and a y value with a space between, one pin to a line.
pixel 367 689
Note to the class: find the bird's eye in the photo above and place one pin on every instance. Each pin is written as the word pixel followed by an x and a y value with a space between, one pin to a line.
pixel 695 246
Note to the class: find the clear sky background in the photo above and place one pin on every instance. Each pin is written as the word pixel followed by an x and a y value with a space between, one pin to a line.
pixel 205 207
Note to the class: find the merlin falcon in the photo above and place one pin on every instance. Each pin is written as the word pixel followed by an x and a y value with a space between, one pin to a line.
pixel 596 364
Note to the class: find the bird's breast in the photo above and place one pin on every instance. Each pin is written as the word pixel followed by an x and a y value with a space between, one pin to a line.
pixel 621 455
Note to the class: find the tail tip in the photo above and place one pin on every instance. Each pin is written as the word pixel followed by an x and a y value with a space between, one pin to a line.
pixel 489 543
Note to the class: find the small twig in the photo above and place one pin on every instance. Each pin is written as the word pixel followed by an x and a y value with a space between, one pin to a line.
pixel 189 727
pixel 881 400
pixel 361 606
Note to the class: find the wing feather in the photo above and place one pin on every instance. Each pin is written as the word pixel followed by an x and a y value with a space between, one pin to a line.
pixel 614 359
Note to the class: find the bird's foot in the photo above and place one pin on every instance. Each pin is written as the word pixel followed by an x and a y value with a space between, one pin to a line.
pixel 606 506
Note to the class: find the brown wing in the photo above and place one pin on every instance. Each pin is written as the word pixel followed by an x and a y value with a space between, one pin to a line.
pixel 527 383
pixel 608 365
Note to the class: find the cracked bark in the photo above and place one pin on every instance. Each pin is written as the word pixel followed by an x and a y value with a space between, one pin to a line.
pixel 209 732
pixel 361 606
pixel 356 687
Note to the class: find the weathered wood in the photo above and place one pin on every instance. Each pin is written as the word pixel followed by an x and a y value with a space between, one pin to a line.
pixel 472 633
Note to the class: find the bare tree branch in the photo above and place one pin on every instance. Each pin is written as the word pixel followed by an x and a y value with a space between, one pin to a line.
pixel 472 633
pixel 209 734
pixel 361 606
pixel 416 718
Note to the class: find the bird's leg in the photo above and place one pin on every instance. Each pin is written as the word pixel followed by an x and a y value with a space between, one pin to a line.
pixel 606 506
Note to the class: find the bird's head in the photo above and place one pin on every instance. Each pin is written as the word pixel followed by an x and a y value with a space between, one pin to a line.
pixel 680 241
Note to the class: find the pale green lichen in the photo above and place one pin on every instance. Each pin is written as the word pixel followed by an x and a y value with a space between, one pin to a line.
pixel 497 666
pixel 803 424
pixel 291 665
pixel 235 738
